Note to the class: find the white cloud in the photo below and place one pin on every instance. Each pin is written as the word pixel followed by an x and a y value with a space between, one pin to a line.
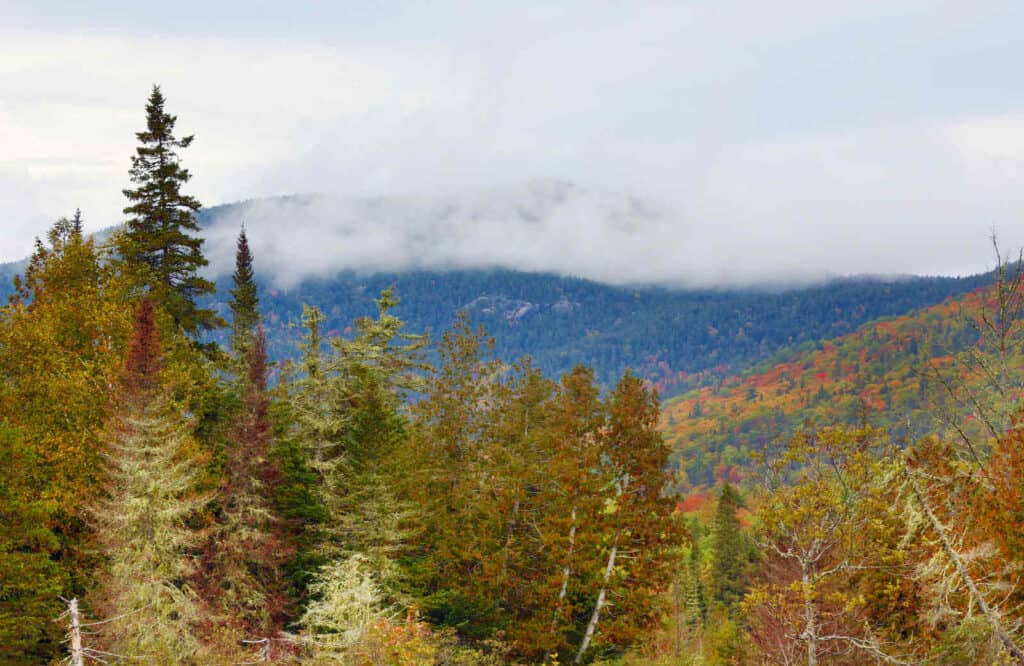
pixel 786 140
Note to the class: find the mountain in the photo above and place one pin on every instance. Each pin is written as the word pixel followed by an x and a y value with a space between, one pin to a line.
pixel 676 338
pixel 447 254
pixel 533 264
pixel 872 375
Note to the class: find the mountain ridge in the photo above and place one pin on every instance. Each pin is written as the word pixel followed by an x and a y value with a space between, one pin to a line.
pixel 678 338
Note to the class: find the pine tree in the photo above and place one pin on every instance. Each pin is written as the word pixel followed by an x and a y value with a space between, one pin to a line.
pixel 142 528
pixel 240 577
pixel 729 557
pixel 245 302
pixel 156 246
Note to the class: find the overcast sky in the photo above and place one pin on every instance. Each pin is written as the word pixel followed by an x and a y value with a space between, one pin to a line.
pixel 867 136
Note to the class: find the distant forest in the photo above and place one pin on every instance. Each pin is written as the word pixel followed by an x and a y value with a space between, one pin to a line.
pixel 677 339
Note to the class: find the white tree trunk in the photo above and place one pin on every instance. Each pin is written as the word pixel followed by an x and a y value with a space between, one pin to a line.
pixel 810 619
pixel 596 615
pixel 76 633
pixel 566 570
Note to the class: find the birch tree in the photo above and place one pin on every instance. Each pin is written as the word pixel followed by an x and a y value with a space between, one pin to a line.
pixel 825 521
pixel 639 532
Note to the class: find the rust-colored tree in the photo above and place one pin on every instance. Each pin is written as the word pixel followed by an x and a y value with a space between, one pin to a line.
pixel 240 576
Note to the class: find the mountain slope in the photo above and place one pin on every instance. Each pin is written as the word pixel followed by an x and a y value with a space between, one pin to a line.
pixel 873 374
pixel 333 253
pixel 677 339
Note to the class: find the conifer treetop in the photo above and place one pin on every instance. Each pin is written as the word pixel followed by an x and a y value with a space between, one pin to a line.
pixel 245 301
pixel 157 246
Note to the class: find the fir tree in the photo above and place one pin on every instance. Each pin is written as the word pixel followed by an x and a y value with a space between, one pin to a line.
pixel 156 246
pixel 245 302
pixel 728 564
pixel 240 578
pixel 142 528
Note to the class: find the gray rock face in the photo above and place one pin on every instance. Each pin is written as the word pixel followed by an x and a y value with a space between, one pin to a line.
pixel 512 311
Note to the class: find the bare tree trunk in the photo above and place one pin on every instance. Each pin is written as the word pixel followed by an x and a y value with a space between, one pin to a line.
pixel 810 620
pixel 76 633
pixel 566 572
pixel 961 569
pixel 596 615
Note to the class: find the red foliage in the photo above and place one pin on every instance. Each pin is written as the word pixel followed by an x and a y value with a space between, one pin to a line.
pixel 692 502
pixel 142 363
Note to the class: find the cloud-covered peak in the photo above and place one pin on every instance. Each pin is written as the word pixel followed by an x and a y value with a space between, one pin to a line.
pixel 558 227
pixel 542 226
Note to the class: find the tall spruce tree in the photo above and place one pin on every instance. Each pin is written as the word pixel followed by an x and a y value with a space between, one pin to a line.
pixel 142 523
pixel 240 575
pixel 729 551
pixel 245 302
pixel 156 245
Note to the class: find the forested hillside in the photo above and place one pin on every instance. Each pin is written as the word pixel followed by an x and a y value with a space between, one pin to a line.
pixel 675 338
pixel 883 374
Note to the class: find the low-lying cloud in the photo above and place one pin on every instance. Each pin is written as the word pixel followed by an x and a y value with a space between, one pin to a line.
pixel 616 238
pixel 541 226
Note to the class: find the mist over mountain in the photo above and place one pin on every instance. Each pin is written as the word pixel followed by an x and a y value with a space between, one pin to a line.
pixel 541 226
pixel 561 273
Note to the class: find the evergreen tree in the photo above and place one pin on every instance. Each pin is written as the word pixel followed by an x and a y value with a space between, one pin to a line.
pixel 447 480
pixel 245 302
pixel 142 529
pixel 346 420
pixel 729 552
pixel 569 497
pixel 156 246
pixel 696 603
pixel 30 580
pixel 240 577
pixel 637 523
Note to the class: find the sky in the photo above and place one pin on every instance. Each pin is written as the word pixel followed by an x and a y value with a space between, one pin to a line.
pixel 785 139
